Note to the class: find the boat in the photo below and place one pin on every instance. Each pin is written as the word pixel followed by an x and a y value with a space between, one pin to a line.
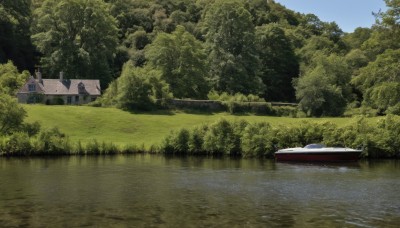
pixel 318 153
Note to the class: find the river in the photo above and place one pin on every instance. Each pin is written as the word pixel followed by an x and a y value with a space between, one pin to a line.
pixel 159 191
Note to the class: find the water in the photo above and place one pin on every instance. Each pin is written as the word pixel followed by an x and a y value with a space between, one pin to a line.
pixel 156 191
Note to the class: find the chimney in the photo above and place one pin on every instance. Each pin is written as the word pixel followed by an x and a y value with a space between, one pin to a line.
pixel 61 76
pixel 39 75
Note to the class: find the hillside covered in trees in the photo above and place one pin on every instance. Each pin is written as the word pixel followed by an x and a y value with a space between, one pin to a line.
pixel 143 50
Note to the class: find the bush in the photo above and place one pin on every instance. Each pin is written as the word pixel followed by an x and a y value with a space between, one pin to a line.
pixel 31 128
pixel 251 107
pixel 365 111
pixel 177 142
pixel 261 140
pixel 285 111
pixel 256 141
pixel 237 97
pixel 16 144
pixel 51 142
pixel 196 140
pixel 223 138
pixel 394 109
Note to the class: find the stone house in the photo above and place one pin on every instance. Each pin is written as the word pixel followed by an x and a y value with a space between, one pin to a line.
pixel 59 91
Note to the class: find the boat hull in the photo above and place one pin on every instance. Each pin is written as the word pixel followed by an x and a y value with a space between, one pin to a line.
pixel 319 157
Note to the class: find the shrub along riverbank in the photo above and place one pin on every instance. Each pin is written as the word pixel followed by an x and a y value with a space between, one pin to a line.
pixel 380 139
pixel 206 134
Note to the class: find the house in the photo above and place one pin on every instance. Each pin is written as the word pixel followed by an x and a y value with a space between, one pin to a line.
pixel 59 91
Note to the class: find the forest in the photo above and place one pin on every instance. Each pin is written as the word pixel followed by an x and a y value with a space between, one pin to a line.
pixel 144 51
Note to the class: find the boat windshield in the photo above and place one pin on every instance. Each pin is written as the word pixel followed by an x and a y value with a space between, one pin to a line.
pixel 314 146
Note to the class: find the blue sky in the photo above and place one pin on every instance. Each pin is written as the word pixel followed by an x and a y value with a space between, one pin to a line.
pixel 348 14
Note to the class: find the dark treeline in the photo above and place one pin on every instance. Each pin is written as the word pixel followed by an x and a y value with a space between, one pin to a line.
pixel 146 50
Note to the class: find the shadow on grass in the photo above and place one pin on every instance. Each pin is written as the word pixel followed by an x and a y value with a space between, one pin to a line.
pixel 171 112
pixel 152 112
pixel 196 112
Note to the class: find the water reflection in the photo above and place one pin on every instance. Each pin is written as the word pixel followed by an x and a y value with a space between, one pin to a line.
pixel 196 192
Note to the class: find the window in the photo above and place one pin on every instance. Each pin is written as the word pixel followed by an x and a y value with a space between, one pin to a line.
pixel 31 100
pixel 76 99
pixel 32 87
pixel 69 100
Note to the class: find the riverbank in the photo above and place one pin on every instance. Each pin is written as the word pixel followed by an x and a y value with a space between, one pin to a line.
pixel 110 125
pixel 80 130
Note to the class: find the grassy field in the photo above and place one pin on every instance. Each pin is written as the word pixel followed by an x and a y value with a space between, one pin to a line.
pixel 120 127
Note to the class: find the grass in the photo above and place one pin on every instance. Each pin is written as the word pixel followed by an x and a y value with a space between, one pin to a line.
pixel 120 127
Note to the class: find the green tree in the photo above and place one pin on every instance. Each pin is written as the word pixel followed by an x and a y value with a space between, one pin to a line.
pixel 381 39
pixel 279 64
pixel 356 59
pixel 11 114
pixel 313 47
pixel 332 31
pixel 78 37
pixel 230 38
pixel 182 62
pixel 324 88
pixel 136 88
pixel 357 38
pixel 131 15
pixel 386 31
pixel 379 81
pixel 390 18
pixel 10 79
pixel 15 42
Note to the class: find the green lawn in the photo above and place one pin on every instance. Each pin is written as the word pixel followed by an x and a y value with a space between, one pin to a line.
pixel 120 127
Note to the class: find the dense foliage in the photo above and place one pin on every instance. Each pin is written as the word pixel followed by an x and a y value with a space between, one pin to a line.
pixel 78 37
pixel 136 89
pixel 233 46
pixel 240 138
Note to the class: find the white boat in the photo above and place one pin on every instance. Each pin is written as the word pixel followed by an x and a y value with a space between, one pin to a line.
pixel 318 152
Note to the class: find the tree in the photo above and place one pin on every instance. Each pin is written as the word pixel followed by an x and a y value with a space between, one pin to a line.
pixel 312 23
pixel 15 42
pixel 357 38
pixel 131 15
pixel 390 18
pixel 78 37
pixel 381 39
pixel 11 114
pixel 332 31
pixel 385 32
pixel 136 89
pixel 379 81
pixel 314 46
pixel 10 79
pixel 356 59
pixel 182 62
pixel 324 88
pixel 279 64
pixel 230 38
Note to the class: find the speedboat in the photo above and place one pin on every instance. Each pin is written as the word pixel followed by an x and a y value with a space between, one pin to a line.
pixel 318 152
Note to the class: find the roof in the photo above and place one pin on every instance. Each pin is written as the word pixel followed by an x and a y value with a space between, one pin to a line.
pixel 63 87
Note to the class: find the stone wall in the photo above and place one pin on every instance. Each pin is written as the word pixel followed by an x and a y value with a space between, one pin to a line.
pixel 211 105
pixel 197 104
